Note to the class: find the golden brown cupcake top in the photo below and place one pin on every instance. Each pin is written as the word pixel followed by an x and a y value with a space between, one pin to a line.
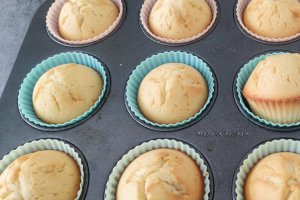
pixel 180 19
pixel 85 19
pixel 41 175
pixel 275 78
pixel 273 18
pixel 66 92
pixel 172 93
pixel 275 177
pixel 166 174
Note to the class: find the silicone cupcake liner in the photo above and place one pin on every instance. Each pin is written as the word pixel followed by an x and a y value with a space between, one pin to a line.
pixel 144 15
pixel 114 177
pixel 25 93
pixel 240 81
pixel 270 147
pixel 52 144
pixel 149 64
pixel 239 10
pixel 52 19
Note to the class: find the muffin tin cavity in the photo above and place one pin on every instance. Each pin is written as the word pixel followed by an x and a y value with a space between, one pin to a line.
pixel 52 26
pixel 116 173
pixel 25 93
pixel 257 153
pixel 143 21
pixel 154 61
pixel 239 83
pixel 238 16
pixel 52 144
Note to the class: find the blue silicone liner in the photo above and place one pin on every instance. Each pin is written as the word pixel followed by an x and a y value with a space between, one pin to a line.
pixel 25 93
pixel 154 61
pixel 241 79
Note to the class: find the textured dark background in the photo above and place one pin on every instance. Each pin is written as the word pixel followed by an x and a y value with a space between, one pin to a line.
pixel 15 17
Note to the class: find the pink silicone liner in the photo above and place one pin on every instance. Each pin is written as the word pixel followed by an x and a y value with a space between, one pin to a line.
pixel 53 17
pixel 145 12
pixel 240 7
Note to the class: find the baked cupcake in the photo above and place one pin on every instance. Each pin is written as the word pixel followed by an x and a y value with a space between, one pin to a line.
pixel 66 92
pixel 273 18
pixel 86 19
pixel 166 174
pixel 274 177
pixel 46 174
pixel 172 93
pixel 273 88
pixel 179 19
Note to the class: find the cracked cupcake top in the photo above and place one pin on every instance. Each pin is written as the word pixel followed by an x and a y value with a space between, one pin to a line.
pixel 172 93
pixel 275 78
pixel 273 18
pixel 85 19
pixel 166 174
pixel 66 92
pixel 41 175
pixel 275 177
pixel 180 19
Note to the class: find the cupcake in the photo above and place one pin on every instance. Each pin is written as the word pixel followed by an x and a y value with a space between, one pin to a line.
pixel 270 172
pixel 274 177
pixel 44 169
pixel 273 88
pixel 269 20
pixel 179 19
pixel 273 18
pixel 178 22
pixel 65 92
pixel 44 174
pixel 161 174
pixel 171 93
pixel 83 22
pixel 161 169
pixel 86 19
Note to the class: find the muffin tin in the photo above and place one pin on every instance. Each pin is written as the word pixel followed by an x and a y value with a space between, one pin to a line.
pixel 223 136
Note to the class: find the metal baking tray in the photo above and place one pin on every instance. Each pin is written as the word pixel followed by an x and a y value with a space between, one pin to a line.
pixel 224 135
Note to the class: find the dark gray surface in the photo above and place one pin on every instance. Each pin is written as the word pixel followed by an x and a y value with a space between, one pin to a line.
pixel 224 136
pixel 15 17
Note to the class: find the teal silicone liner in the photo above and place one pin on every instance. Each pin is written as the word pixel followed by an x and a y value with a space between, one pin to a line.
pixel 156 60
pixel 117 171
pixel 241 80
pixel 25 92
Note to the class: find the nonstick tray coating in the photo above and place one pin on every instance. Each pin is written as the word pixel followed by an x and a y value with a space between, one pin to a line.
pixel 224 136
